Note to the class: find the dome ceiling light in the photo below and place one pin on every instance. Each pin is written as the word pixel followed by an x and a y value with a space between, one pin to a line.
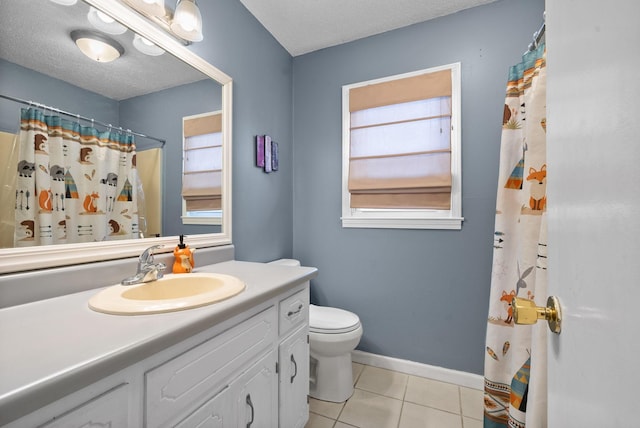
pixel 97 46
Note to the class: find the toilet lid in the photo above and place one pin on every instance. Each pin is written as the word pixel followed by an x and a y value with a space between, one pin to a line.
pixel 323 319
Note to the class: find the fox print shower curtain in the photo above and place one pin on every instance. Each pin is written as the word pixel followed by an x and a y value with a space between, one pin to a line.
pixel 74 184
pixel 515 358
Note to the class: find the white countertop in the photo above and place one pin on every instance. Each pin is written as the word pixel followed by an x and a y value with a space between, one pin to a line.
pixel 53 347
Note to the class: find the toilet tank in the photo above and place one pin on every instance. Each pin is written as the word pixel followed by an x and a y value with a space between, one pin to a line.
pixel 286 262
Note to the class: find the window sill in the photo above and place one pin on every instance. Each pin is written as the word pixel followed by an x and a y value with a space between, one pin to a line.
pixel 202 220
pixel 447 223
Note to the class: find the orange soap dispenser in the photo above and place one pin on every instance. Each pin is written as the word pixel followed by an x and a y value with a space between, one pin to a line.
pixel 183 258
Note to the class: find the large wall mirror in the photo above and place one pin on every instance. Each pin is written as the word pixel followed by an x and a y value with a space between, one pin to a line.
pixel 139 96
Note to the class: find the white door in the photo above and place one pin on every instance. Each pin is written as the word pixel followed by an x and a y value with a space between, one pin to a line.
pixel 593 118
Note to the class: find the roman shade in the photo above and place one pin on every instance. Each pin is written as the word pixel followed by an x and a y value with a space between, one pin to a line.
pixel 400 143
pixel 202 163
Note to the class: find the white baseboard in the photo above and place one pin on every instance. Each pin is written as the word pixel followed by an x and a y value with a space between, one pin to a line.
pixel 468 380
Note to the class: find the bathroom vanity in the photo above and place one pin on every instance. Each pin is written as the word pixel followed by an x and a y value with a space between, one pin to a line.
pixel 240 362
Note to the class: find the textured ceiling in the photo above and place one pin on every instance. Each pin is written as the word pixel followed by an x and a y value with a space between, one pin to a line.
pixel 303 26
pixel 35 35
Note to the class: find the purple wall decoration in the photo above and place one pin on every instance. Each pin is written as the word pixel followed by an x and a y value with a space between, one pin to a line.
pixel 260 150
pixel 266 153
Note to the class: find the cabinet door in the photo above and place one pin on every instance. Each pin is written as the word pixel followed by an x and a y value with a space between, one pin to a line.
pixel 177 387
pixel 256 395
pixel 294 380
pixel 215 413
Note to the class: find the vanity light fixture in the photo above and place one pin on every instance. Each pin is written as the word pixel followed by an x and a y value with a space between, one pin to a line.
pixel 185 24
pixel 149 7
pixel 187 21
pixel 97 46
pixel 146 47
pixel 104 22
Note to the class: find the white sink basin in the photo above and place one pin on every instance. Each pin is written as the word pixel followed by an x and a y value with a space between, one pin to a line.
pixel 173 292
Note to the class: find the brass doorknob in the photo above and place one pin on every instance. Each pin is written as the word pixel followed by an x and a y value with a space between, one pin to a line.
pixel 526 312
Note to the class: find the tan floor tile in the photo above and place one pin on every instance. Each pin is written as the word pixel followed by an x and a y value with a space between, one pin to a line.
pixel 343 425
pixel 472 401
pixel 384 382
pixel 471 423
pixel 376 403
pixel 325 408
pixel 416 416
pixel 367 410
pixel 432 393
pixel 317 421
pixel 356 368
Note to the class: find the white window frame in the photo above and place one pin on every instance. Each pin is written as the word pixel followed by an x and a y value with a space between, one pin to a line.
pixel 216 215
pixel 407 218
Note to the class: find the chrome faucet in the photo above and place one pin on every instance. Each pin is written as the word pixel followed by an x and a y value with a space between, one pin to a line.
pixel 147 270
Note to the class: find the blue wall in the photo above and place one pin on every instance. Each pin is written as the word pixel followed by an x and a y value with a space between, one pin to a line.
pixel 236 43
pixel 20 82
pixel 422 295
pixel 160 114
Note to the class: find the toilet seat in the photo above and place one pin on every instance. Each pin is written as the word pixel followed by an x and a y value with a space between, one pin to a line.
pixel 327 320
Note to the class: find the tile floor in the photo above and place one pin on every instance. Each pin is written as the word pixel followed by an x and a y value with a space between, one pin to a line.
pixel 384 398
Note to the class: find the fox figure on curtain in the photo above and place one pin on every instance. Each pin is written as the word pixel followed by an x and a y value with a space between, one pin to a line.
pixel 74 184
pixel 515 362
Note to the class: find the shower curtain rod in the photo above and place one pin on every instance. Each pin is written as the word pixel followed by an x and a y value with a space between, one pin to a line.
pixel 77 116
pixel 537 36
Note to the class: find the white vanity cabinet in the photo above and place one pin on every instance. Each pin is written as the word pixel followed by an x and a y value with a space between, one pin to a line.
pixel 251 371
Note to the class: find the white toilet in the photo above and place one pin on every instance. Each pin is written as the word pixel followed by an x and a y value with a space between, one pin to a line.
pixel 333 334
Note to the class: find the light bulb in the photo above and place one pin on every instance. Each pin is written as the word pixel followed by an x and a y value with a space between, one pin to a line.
pixel 104 22
pixel 187 21
pixel 149 7
pixel 106 18
pixel 65 2
pixel 146 46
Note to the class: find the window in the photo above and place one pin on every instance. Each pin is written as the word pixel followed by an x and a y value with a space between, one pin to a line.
pixel 202 169
pixel 401 164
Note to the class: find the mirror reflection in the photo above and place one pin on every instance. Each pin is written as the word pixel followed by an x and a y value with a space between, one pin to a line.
pixel 103 140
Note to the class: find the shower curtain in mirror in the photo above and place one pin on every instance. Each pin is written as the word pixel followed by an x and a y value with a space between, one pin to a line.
pixel 74 184
pixel 515 358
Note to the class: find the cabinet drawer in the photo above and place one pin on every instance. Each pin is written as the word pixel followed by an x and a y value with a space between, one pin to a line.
pixel 108 409
pixel 190 379
pixel 294 311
